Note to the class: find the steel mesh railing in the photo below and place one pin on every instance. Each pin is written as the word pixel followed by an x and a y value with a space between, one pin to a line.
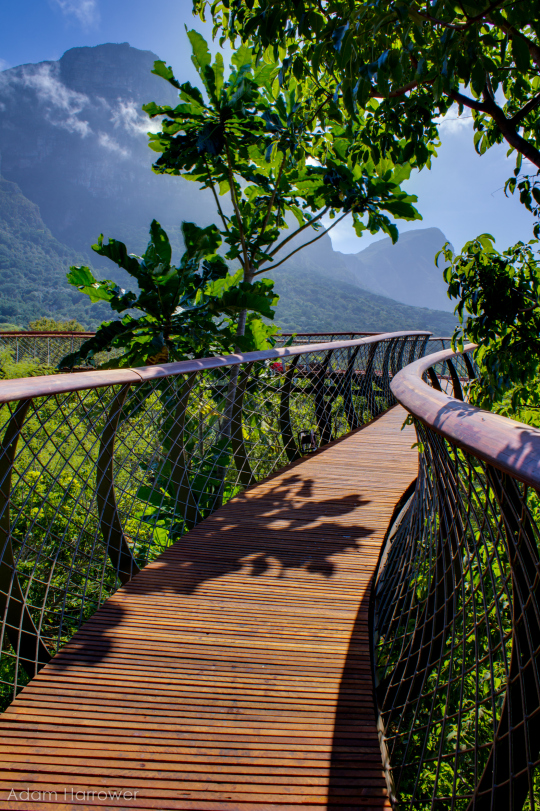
pixel 457 605
pixel 48 348
pixel 101 471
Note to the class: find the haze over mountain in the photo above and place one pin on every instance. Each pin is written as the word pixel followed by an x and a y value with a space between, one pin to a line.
pixel 405 271
pixel 73 138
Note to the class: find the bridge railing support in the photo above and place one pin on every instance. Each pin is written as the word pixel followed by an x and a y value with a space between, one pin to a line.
pixel 456 604
pixel 100 471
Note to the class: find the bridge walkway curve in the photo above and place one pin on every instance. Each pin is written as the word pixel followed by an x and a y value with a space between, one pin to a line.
pixel 233 673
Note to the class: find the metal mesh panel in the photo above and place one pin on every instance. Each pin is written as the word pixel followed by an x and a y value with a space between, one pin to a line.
pixel 457 634
pixel 48 349
pixel 96 482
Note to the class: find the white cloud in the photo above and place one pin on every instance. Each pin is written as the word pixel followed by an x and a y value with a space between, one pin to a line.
pixel 64 104
pixel 50 89
pixel 452 123
pixel 105 140
pixel 127 116
pixel 85 11
pixel 4 65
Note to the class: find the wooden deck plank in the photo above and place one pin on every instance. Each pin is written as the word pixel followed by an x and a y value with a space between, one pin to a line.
pixel 233 673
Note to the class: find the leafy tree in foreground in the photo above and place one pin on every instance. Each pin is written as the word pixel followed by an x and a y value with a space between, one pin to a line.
pixel 499 308
pixel 183 307
pixel 410 57
pixel 261 148
pixel 260 145
pixel 404 63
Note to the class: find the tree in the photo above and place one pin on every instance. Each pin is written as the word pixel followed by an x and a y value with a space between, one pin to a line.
pixel 47 324
pixel 262 145
pixel 183 308
pixel 499 309
pixel 404 63
pixel 411 58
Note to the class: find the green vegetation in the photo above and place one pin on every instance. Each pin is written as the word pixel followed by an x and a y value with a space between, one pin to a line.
pixel 33 267
pixel 182 307
pixel 407 62
pixel 317 302
pixel 27 367
pixel 47 324
pixel 499 309
pixel 258 143
pixel 402 65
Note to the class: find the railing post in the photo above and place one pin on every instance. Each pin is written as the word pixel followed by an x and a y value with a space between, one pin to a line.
pixel 285 412
pixel 176 457
pixel 111 527
pixel 322 410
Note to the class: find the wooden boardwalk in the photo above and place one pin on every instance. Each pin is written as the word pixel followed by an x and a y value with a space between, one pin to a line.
pixel 233 673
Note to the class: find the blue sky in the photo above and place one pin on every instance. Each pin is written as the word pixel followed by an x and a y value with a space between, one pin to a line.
pixel 462 195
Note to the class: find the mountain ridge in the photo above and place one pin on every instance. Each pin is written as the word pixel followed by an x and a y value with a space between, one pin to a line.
pixel 72 137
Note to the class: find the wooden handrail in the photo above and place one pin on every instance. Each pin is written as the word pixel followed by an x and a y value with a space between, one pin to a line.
pixel 23 388
pixel 508 445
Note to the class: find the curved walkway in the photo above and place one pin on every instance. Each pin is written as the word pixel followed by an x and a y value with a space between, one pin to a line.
pixel 234 672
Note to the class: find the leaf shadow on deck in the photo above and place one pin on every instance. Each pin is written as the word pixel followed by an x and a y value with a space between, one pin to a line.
pixel 279 536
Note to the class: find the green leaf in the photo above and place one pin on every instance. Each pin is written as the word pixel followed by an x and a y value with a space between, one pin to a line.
pixel 201 57
pixel 219 72
pixel 243 57
pixel 521 54
pixel 160 243
pixel 161 69
pixel 81 276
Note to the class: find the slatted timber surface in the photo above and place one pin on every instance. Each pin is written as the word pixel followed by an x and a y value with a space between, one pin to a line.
pixel 233 673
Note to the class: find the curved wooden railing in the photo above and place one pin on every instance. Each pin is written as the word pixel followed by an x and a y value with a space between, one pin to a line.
pixel 456 606
pixel 100 471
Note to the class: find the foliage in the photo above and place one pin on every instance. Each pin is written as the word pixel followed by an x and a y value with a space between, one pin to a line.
pixel 260 143
pixel 47 324
pixel 27 367
pixel 180 304
pixel 7 327
pixel 33 267
pixel 499 309
pixel 413 59
pixel 528 187
pixel 317 302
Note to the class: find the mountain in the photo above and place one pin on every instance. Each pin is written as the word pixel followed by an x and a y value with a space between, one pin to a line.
pixel 73 140
pixel 405 271
pixel 33 266
pixel 318 293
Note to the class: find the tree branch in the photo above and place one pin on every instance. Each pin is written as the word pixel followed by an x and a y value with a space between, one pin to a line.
pixel 399 92
pixel 295 233
pixel 292 253
pixel 467 102
pixel 531 105
pixel 461 26
pixel 509 129
pixel 534 49
pixel 237 212
pixel 271 203
pixel 218 204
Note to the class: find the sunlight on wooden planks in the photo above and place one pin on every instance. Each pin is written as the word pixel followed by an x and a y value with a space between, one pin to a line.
pixel 234 672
